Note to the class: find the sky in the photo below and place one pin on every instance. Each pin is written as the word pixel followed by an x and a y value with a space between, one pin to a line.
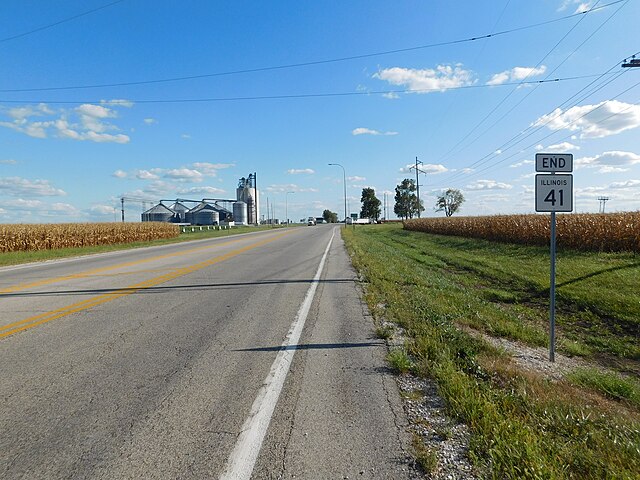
pixel 147 100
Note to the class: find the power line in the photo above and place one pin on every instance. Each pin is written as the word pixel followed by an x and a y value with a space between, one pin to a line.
pixel 305 95
pixel 309 63
pixel 452 103
pixel 532 90
pixel 449 153
pixel 59 22
pixel 489 167
pixel 568 103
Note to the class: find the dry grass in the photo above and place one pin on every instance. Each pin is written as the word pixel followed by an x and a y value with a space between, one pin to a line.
pixel 608 232
pixel 16 238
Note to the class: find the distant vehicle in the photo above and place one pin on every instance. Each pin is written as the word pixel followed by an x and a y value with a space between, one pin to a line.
pixel 320 220
pixel 311 221
pixel 349 221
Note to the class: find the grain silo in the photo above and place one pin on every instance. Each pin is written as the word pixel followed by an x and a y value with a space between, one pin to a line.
pixel 180 211
pixel 247 192
pixel 240 213
pixel 203 214
pixel 159 213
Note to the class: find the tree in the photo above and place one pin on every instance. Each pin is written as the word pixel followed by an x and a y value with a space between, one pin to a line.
pixel 329 216
pixel 370 204
pixel 407 204
pixel 449 202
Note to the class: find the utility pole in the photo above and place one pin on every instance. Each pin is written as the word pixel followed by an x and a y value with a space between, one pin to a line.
pixel 418 170
pixel 603 202
pixel 122 202
pixel 344 186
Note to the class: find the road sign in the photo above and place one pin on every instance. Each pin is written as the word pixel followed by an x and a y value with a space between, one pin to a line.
pixel 554 193
pixel 554 162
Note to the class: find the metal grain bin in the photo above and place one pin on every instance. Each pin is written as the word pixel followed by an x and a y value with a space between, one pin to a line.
pixel 159 213
pixel 240 213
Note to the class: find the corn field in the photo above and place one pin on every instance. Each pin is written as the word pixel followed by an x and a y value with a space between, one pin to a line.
pixel 608 232
pixel 15 238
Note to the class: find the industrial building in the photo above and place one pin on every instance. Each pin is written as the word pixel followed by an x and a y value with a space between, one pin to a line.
pixel 244 210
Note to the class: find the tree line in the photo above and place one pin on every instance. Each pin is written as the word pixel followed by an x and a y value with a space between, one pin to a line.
pixel 406 204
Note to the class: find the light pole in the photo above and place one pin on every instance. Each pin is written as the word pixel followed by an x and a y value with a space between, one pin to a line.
pixel 344 183
pixel 286 211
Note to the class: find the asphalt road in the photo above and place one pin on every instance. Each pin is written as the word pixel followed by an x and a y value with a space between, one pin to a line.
pixel 221 358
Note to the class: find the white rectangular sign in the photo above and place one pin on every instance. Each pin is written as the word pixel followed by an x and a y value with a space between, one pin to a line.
pixel 554 162
pixel 554 193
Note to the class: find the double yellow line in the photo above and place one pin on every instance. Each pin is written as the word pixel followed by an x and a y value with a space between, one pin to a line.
pixel 36 320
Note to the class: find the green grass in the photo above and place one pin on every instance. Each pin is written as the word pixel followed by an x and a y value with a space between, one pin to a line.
pixel 16 258
pixel 522 425
pixel 399 360
pixel 610 384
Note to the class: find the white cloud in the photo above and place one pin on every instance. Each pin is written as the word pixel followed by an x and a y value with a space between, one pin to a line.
pixel 356 178
pixel 184 175
pixel 516 74
pixel 118 103
pixel 86 122
pixel 102 209
pixel 8 162
pixel 369 131
pixel 391 95
pixel 210 169
pixel 522 163
pixel 146 175
pixel 299 171
pixel 442 78
pixel 186 136
pixel 593 121
pixel 429 168
pixel 561 147
pixel 203 190
pixel 609 162
pixel 289 187
pixel 119 174
pixel 581 8
pixel 17 186
pixel 150 121
pixel 488 185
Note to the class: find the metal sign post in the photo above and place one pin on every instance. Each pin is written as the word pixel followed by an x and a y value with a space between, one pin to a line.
pixel 554 193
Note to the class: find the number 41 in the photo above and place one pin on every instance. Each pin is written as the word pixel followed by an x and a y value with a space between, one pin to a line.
pixel 551 197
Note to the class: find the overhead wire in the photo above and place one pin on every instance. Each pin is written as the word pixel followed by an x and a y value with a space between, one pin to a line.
pixel 573 122
pixel 314 62
pixel 532 90
pixel 452 103
pixel 293 96
pixel 59 22
pixel 553 114
pixel 450 152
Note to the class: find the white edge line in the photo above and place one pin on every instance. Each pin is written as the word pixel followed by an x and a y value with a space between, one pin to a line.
pixel 245 452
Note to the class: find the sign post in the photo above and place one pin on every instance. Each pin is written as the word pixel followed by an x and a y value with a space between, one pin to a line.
pixel 554 193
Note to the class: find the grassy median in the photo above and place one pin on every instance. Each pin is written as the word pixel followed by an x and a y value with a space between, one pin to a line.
pixel 444 290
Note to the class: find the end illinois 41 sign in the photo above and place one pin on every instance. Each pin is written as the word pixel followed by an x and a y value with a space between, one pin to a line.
pixel 554 193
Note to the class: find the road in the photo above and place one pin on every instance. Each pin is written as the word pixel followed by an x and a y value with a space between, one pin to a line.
pixel 249 356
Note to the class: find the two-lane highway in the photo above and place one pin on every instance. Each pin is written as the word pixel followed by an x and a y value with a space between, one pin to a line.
pixel 245 356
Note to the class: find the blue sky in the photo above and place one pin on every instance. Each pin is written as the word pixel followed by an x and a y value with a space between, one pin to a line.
pixel 466 109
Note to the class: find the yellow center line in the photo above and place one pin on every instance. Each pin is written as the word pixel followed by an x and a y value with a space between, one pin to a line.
pixel 88 273
pixel 36 320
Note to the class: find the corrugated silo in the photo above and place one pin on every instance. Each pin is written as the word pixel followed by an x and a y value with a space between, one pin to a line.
pixel 180 212
pixel 159 213
pixel 206 216
pixel 240 213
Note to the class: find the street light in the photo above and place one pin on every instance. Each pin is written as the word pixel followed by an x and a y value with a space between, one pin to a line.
pixel 344 182
pixel 286 211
